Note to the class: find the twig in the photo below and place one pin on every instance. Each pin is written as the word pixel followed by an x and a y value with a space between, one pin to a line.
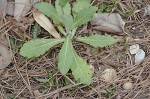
pixel 58 90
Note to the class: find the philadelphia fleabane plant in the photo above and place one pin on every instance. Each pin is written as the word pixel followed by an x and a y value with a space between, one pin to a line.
pixel 68 19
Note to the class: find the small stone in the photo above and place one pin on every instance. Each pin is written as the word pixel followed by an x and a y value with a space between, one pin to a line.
pixel 10 8
pixel 127 85
pixel 109 75
pixel 37 93
pixel 134 49
pixel 147 10
pixel 133 28
pixel 139 56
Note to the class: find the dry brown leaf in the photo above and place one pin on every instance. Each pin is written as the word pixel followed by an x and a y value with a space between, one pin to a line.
pixel 112 23
pixel 5 56
pixel 21 7
pixel 3 4
pixel 43 21
pixel 10 8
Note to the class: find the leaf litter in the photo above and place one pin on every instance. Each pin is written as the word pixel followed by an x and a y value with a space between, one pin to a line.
pixel 147 10
pixel 44 22
pixel 102 59
pixel 5 56
pixel 112 23
pixel 21 7
pixel 3 4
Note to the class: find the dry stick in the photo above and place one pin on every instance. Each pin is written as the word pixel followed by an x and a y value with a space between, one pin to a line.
pixel 26 63
pixel 97 88
pixel 146 29
pixel 135 83
pixel 20 92
pixel 1 94
pixel 121 6
pixel 130 59
pixel 12 88
pixel 9 43
pixel 18 72
pixel 18 34
pixel 3 29
pixel 28 80
pixel 72 82
pixel 7 36
pixel 29 88
pixel 93 91
pixel 6 31
pixel 28 76
pixel 6 83
pixel 93 2
pixel 4 24
pixel 128 68
pixel 137 94
pixel 58 90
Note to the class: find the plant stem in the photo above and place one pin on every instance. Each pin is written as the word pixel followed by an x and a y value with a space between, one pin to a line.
pixel 60 28
pixel 73 32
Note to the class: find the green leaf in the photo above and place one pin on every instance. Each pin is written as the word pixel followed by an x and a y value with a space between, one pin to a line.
pixel 58 7
pixel 80 70
pixel 128 13
pixel 42 80
pixel 108 10
pixel 97 40
pixel 102 7
pixel 61 30
pixel 113 1
pixel 35 48
pixel 65 12
pixel 65 57
pixel 83 16
pixel 63 2
pixel 67 9
pixel 48 10
pixel 35 30
pixel 67 17
pixel 80 5
pixel 68 21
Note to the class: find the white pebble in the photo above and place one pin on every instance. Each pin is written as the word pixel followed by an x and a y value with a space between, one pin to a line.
pixel 127 85
pixel 139 56
pixel 134 49
pixel 109 75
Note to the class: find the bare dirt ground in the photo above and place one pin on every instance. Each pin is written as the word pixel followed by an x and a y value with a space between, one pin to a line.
pixel 39 78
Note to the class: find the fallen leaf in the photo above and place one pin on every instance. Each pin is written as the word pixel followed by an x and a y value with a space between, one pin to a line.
pixel 5 56
pixel 10 8
pixel 43 21
pixel 21 7
pixel 3 4
pixel 112 23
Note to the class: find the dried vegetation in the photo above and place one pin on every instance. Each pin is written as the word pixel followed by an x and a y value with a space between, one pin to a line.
pixel 39 78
